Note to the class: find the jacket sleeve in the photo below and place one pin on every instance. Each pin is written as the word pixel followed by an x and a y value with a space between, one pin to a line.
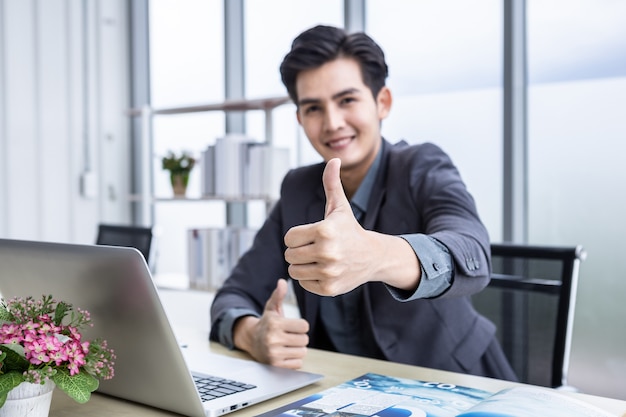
pixel 448 214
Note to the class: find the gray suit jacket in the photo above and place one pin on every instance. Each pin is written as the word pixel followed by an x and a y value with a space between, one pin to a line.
pixel 418 190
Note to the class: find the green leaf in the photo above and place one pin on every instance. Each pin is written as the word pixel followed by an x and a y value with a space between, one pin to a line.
pixel 79 386
pixel 15 360
pixel 9 381
pixel 60 311
pixel 5 316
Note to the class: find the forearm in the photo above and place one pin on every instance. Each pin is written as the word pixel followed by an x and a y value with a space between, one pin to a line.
pixel 434 261
pixel 395 262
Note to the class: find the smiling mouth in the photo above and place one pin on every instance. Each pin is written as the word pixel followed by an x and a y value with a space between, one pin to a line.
pixel 339 143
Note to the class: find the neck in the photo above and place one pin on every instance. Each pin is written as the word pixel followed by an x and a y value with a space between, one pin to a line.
pixel 352 176
pixel 351 181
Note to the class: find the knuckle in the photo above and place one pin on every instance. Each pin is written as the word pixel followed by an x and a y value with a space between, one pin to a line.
pixel 287 255
pixel 331 271
pixel 293 271
pixel 325 230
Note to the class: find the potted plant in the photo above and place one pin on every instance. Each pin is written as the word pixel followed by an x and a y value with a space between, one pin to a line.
pixel 179 167
pixel 41 347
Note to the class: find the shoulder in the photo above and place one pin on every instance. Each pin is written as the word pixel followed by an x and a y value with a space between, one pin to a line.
pixel 302 195
pixel 304 176
pixel 422 151
pixel 417 158
pixel 304 180
pixel 306 171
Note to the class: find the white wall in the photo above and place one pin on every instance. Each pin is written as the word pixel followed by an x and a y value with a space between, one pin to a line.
pixel 62 118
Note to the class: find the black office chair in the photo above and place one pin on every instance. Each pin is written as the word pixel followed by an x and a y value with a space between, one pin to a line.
pixel 130 236
pixel 531 299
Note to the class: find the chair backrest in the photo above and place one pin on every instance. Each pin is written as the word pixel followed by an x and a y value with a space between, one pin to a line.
pixel 531 299
pixel 138 237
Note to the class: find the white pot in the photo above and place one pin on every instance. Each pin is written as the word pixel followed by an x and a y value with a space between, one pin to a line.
pixel 28 400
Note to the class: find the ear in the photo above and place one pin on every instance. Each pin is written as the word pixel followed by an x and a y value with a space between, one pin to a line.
pixel 383 102
pixel 298 116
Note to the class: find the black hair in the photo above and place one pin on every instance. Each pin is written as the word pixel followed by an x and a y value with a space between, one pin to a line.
pixel 321 44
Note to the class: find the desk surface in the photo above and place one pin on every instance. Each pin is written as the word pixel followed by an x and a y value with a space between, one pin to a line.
pixel 337 368
pixel 183 307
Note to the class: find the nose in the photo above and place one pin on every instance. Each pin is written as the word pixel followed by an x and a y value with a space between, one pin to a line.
pixel 333 119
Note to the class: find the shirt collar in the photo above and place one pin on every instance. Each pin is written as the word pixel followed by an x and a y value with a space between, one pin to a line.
pixel 362 195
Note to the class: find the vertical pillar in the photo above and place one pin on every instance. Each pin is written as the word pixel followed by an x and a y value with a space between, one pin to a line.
pixel 515 165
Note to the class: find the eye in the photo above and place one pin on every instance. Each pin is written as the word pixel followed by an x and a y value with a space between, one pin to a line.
pixel 347 100
pixel 311 109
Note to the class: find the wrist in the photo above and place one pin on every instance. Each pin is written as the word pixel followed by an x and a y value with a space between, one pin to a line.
pixel 399 266
pixel 242 332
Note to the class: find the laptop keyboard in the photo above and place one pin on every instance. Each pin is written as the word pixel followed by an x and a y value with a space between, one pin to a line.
pixel 211 387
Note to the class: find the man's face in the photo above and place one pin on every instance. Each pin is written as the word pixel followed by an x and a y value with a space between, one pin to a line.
pixel 339 115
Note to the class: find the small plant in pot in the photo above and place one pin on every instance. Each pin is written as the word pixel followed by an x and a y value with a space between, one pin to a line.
pixel 179 166
pixel 41 344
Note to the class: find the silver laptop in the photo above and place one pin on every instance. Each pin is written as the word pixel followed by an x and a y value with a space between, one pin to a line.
pixel 115 286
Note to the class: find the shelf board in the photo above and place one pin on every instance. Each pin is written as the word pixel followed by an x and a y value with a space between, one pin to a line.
pixel 227 199
pixel 227 105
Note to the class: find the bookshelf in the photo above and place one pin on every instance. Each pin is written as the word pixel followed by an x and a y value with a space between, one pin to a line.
pixel 146 198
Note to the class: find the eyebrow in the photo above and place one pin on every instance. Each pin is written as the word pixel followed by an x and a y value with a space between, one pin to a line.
pixel 335 96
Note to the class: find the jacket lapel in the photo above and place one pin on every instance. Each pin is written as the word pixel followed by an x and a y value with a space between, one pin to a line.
pixel 378 190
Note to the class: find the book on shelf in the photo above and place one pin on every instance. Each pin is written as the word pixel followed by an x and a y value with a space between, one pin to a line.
pixel 230 161
pixel 207 171
pixel 267 165
pixel 237 166
pixel 387 396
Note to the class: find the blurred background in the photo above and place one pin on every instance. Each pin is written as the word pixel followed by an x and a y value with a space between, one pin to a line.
pixel 70 154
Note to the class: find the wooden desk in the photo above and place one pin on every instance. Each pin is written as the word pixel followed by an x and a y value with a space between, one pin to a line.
pixel 336 367
pixel 188 314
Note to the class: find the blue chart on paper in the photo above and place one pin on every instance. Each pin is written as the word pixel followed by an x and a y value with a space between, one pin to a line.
pixel 386 396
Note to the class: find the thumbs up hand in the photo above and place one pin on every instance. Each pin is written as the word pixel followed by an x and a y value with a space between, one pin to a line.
pixel 336 200
pixel 273 338
pixel 334 255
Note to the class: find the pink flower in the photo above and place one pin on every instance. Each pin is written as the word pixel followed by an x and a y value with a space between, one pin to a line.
pixel 52 343
pixel 74 334
pixel 9 329
pixel 29 335
pixel 59 357
pixel 13 341
pixel 47 334
pixel 48 328
pixel 36 353
pixel 31 325
pixel 10 334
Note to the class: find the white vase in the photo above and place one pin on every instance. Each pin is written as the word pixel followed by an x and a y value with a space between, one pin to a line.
pixel 28 400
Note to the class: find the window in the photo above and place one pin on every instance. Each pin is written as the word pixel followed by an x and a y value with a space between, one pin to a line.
pixel 186 68
pixel 576 136
pixel 268 39
pixel 445 66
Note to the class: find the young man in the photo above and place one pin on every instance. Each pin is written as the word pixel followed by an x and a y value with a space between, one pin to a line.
pixel 383 241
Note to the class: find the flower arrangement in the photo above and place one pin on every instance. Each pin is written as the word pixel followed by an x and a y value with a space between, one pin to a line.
pixel 179 167
pixel 40 340
pixel 178 164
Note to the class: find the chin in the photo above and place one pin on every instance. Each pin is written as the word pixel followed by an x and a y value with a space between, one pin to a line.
pixel 348 156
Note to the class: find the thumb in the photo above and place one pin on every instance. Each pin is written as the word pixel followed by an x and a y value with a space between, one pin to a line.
pixel 335 196
pixel 275 302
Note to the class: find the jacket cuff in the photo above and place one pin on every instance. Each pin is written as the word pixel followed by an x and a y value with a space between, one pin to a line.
pixel 436 264
pixel 227 321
